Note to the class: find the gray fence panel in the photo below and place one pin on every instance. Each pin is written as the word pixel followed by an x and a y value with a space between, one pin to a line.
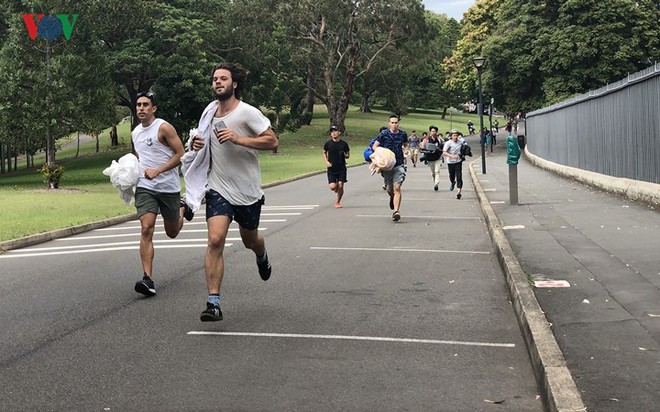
pixel 613 131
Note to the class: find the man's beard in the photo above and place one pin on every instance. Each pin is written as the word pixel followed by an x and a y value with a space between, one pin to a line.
pixel 226 94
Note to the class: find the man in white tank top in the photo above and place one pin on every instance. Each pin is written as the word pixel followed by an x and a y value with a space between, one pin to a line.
pixel 235 132
pixel 159 150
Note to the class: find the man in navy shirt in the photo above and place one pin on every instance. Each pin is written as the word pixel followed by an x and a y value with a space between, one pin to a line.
pixel 393 139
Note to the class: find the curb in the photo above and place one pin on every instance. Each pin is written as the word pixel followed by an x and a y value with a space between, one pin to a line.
pixel 556 385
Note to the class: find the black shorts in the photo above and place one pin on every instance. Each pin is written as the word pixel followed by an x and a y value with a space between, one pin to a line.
pixel 335 176
pixel 247 217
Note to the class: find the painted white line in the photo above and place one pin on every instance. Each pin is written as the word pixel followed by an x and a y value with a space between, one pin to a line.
pixel 302 207
pixel 137 234
pixel 513 227
pixel 370 249
pixel 551 284
pixel 497 202
pixel 93 245
pixel 358 338
pixel 10 254
pixel 425 217
pixel 490 190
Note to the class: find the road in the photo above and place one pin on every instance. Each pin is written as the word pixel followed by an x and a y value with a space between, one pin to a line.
pixel 361 313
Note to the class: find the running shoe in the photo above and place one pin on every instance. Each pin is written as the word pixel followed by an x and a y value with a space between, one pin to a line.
pixel 396 216
pixel 451 186
pixel 145 286
pixel 338 205
pixel 458 196
pixel 212 313
pixel 188 214
pixel 264 269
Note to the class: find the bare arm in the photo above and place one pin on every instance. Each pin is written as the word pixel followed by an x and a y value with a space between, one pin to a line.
pixel 265 141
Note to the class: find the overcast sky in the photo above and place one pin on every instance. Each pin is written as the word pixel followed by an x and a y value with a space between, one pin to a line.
pixel 452 8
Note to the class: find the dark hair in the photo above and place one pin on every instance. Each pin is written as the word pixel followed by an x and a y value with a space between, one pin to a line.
pixel 238 75
pixel 433 128
pixel 149 95
pixel 394 115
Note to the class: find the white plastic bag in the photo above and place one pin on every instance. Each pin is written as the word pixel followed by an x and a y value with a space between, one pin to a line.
pixel 124 175
pixel 382 159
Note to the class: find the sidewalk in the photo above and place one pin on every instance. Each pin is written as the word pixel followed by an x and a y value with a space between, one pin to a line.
pixel 607 323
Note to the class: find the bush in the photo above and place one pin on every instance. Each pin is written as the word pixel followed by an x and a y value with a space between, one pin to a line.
pixel 52 174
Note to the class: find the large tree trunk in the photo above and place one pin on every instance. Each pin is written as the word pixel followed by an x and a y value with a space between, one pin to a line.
pixel 364 106
pixel 78 144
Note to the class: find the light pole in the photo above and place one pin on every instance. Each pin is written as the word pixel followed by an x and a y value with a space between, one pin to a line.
pixel 479 64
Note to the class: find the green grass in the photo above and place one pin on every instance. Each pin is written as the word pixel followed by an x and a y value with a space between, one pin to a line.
pixel 86 195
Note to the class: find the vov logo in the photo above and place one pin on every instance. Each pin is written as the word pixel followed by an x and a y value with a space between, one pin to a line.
pixel 49 27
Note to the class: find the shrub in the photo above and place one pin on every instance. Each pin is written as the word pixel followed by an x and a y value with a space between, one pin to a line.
pixel 52 174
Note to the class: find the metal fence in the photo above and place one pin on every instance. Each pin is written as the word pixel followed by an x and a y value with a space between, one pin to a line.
pixel 614 130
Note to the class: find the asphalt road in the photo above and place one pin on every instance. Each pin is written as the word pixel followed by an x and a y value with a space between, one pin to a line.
pixel 360 314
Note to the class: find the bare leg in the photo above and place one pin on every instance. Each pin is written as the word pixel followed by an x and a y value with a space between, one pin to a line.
pixel 214 264
pixel 147 223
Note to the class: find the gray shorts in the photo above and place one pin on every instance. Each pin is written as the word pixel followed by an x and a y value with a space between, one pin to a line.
pixel 396 175
pixel 149 201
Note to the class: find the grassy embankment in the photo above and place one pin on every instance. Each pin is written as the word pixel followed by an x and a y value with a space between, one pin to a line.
pixel 86 195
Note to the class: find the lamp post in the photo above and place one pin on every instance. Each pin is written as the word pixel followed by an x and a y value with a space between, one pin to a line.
pixel 479 64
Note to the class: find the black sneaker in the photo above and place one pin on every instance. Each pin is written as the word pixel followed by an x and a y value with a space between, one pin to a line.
pixel 396 216
pixel 145 286
pixel 212 313
pixel 264 269
pixel 188 214
pixel 458 196
pixel 435 188
pixel 391 202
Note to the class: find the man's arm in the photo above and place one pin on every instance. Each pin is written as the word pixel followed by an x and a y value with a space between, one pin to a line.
pixel 267 140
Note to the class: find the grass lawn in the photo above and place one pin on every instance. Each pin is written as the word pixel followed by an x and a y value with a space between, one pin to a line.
pixel 86 195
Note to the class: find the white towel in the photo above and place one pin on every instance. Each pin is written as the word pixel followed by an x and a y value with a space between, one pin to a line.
pixel 195 163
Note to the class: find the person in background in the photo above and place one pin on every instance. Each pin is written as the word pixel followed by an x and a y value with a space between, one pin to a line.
pixel 413 145
pixel 335 153
pixel 393 139
pixel 433 154
pixel 452 151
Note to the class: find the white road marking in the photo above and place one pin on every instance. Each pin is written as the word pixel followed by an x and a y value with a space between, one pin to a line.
pixel 373 249
pixel 358 338
pixel 93 245
pixel 497 202
pixel 426 217
pixel 289 207
pixel 490 190
pixel 513 227
pixel 11 253
pixel 137 234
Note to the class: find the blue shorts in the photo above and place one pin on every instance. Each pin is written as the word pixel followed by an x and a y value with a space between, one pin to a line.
pixel 247 217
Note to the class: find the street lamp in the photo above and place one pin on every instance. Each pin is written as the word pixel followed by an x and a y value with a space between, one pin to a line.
pixel 479 64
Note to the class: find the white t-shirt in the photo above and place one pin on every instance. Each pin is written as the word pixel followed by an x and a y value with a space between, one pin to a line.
pixel 153 154
pixel 453 147
pixel 235 172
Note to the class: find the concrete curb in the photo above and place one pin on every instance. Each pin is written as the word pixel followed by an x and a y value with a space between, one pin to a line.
pixel 55 234
pixel 556 385
pixel 636 190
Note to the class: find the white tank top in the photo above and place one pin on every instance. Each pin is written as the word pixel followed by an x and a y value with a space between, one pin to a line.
pixel 153 154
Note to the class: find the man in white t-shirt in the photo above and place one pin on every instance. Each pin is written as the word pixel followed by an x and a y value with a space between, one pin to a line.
pixel 235 131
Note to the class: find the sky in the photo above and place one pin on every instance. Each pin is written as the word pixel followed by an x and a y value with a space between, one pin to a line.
pixel 452 8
